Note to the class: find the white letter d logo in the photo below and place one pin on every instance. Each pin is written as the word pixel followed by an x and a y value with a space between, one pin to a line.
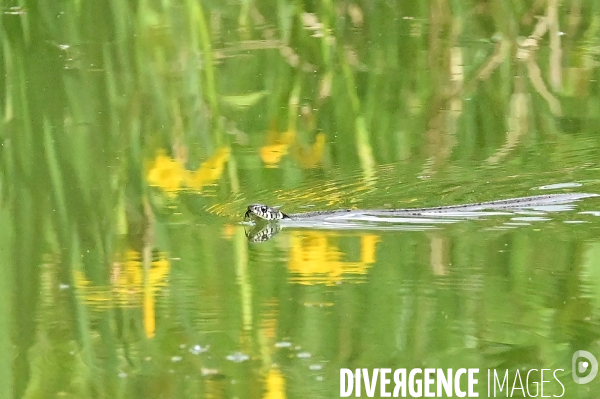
pixel 580 366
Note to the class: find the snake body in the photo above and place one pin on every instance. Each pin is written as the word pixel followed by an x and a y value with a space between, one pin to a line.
pixel 268 213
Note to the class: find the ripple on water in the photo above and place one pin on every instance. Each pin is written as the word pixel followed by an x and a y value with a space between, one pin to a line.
pixel 560 186
pixel 237 357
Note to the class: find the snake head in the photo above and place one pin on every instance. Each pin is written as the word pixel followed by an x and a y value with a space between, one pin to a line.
pixel 264 212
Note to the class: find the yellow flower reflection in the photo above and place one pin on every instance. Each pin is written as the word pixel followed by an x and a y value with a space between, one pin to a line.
pixel 280 144
pixel 275 385
pixel 130 287
pixel 277 146
pixel 314 259
pixel 209 171
pixel 171 176
pixel 311 157
pixel 166 173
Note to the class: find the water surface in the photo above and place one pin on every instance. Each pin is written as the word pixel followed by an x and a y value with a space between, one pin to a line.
pixel 134 136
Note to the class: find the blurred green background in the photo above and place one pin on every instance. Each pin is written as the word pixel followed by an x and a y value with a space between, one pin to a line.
pixel 135 133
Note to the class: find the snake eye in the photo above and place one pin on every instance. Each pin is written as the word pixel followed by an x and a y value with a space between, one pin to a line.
pixel 263 209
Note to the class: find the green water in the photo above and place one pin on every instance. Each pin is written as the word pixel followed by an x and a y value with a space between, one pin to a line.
pixel 134 135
